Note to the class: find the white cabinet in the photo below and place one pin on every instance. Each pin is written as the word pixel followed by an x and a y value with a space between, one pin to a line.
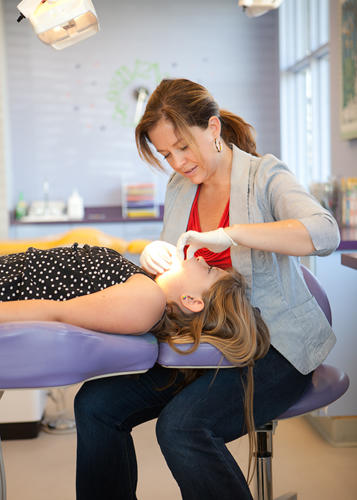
pixel 22 405
pixel 340 284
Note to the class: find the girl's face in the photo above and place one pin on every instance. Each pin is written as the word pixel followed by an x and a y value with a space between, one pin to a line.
pixel 188 278
pixel 198 168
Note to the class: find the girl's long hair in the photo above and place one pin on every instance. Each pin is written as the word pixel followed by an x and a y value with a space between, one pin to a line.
pixel 186 104
pixel 230 323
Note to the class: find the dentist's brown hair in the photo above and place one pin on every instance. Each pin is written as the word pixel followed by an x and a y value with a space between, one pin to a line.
pixel 186 104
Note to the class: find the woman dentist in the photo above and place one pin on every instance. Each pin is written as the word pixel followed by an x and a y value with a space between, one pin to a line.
pixel 239 209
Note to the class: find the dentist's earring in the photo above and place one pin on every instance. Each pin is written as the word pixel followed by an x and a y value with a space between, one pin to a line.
pixel 218 145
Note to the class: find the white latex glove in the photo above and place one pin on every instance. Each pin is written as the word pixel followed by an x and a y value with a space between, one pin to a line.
pixel 157 257
pixel 216 241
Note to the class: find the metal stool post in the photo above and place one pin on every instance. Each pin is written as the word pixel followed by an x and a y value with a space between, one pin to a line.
pixel 264 455
pixel 264 464
pixel 2 470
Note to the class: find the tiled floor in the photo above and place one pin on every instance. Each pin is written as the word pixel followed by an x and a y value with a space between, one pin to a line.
pixel 43 468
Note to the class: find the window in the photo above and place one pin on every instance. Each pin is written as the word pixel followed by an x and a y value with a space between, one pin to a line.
pixel 304 88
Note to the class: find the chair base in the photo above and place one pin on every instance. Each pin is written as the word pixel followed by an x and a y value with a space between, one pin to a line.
pixel 2 470
pixel 2 477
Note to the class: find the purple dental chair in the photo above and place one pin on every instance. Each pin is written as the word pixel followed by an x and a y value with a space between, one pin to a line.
pixel 48 354
pixel 328 384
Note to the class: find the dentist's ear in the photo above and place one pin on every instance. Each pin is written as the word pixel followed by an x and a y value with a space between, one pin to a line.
pixel 214 123
pixel 193 304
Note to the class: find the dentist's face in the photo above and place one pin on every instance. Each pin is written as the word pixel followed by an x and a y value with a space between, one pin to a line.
pixel 180 156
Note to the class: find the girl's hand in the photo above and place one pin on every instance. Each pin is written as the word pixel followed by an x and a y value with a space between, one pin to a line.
pixel 216 241
pixel 157 257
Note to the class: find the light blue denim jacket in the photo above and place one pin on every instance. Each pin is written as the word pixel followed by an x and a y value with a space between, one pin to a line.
pixel 264 190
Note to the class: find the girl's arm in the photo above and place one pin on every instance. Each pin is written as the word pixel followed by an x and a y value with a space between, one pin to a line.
pixel 132 307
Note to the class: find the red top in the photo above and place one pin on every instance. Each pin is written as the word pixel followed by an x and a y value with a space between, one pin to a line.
pixel 222 259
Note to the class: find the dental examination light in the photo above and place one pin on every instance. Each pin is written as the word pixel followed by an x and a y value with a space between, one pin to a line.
pixel 60 23
pixel 255 8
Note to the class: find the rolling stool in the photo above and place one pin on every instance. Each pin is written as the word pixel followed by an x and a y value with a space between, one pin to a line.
pixel 327 385
pixel 48 354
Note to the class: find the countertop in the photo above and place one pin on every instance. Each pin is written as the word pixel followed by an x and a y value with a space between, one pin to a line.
pixel 349 260
pixel 92 215
pixel 348 238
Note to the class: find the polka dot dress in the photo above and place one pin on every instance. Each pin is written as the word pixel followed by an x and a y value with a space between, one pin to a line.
pixel 62 273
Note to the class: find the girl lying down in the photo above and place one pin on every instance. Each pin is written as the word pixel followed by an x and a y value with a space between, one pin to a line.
pixel 99 289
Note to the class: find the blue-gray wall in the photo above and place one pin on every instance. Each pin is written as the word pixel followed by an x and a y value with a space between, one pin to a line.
pixel 71 111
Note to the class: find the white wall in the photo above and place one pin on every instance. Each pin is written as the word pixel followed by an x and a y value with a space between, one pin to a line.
pixel 64 123
pixel 343 152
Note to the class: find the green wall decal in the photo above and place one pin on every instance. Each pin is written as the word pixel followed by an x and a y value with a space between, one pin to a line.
pixel 125 80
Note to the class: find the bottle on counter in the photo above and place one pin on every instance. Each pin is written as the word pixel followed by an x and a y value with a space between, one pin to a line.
pixel 75 206
pixel 21 207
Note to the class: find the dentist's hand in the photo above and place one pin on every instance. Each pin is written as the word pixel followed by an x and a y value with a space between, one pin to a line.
pixel 157 257
pixel 216 241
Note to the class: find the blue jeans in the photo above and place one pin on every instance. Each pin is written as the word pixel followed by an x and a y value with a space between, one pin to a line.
pixel 192 428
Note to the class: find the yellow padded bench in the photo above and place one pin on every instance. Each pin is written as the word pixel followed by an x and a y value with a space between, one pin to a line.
pixel 81 235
